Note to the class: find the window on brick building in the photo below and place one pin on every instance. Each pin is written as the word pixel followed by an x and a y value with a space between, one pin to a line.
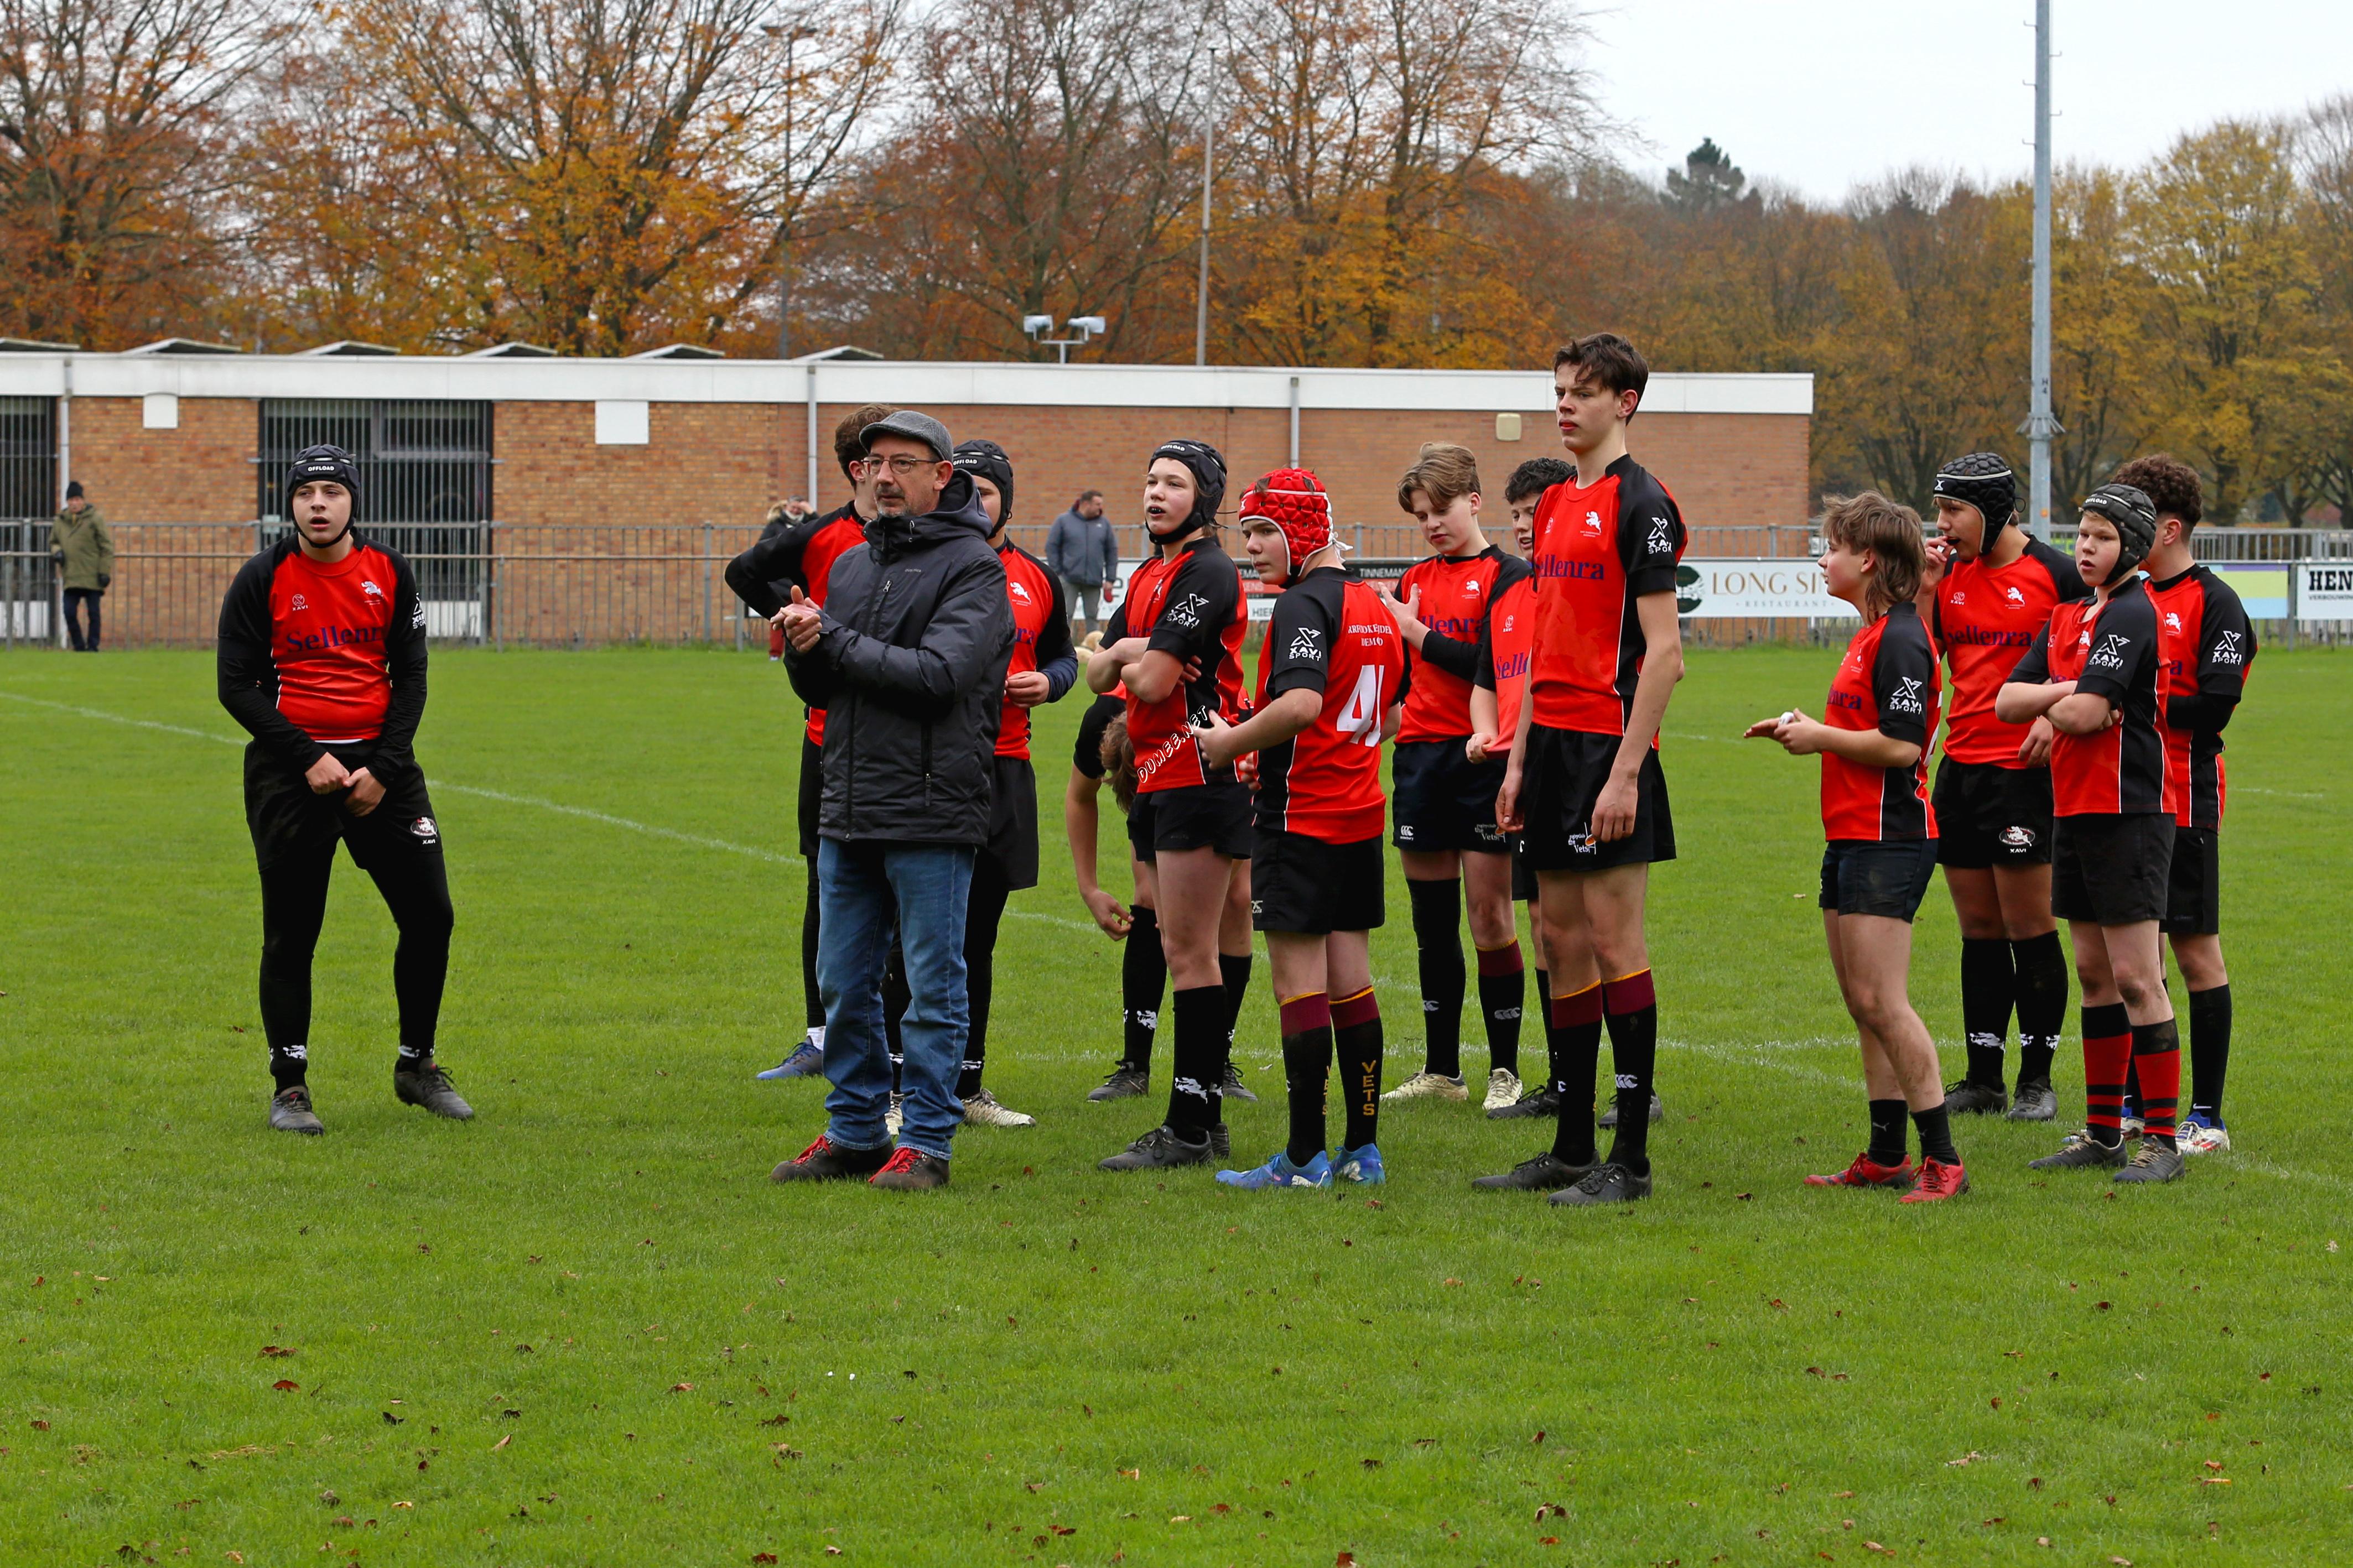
pixel 28 456
pixel 425 467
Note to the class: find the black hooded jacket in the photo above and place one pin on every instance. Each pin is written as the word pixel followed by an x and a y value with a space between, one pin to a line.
pixel 911 672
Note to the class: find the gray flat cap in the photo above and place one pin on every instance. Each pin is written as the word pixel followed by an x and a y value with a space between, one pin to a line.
pixel 914 426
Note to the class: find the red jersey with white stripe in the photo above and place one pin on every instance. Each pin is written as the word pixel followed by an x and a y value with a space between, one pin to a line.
pixel 1329 635
pixel 1457 592
pixel 328 632
pixel 1503 656
pixel 1188 606
pixel 841 531
pixel 1886 682
pixel 2116 651
pixel 1036 611
pixel 2210 643
pixel 1598 551
pixel 1987 616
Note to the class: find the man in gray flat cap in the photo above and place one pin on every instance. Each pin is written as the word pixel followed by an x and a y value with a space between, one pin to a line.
pixel 907 658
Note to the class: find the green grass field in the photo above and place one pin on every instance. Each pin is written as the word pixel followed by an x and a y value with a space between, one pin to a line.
pixel 585 1328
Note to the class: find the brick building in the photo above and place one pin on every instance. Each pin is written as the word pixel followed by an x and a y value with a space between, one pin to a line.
pixel 569 449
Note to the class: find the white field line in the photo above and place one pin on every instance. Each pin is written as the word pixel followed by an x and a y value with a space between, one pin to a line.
pixel 1765 1054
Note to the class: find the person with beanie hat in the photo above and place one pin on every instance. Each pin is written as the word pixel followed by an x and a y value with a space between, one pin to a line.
pixel 83 552
pixel 1175 645
pixel 1044 667
pixel 1989 587
pixel 1328 680
pixel 321 659
pixel 2096 671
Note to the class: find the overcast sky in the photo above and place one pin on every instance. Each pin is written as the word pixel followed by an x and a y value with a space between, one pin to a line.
pixel 1821 94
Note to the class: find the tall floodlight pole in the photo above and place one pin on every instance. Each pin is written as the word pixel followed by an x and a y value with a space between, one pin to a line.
pixel 1208 164
pixel 2040 424
pixel 790 36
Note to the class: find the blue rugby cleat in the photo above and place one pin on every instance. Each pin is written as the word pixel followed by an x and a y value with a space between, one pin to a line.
pixel 807 1060
pixel 1362 1166
pixel 1280 1172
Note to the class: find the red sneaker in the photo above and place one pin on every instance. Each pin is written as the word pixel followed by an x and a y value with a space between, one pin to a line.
pixel 1867 1173
pixel 1936 1181
pixel 827 1160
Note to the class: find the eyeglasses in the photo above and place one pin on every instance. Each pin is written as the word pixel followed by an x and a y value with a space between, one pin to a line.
pixel 904 466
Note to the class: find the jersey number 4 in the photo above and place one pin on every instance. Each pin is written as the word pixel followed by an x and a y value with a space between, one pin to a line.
pixel 1360 720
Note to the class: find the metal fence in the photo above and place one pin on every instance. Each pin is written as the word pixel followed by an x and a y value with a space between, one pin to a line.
pixel 586 585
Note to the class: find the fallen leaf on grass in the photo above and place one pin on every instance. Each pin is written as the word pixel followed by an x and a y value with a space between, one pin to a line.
pixel 502 1442
pixel 2121 1562
pixel 1370 1464
pixel 1883 1550
pixel 1033 1485
pixel 1554 1508
pixel 833 1552
pixel 1971 1457
pixel 392 1420
pixel 1548 1541
pixel 681 1388
pixel 1221 1508
pixel 763 1557
pixel 1180 1518
pixel 403 1505
pixel 2213 1464
pixel 1345 1560
pixel 286 1386
pixel 2041 1541
pixel 2213 1480
pixel 275 1351
pixel 1063 1529
pixel 1452 1280
pixel 1134 1475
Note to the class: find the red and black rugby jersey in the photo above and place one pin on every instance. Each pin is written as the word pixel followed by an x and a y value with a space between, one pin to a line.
pixel 1503 656
pixel 2113 650
pixel 833 534
pixel 2210 643
pixel 1457 593
pixel 1041 633
pixel 1189 607
pixel 1598 551
pixel 1886 682
pixel 315 653
pixel 1986 618
pixel 1329 635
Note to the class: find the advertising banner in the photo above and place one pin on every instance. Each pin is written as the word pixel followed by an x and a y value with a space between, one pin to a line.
pixel 2324 591
pixel 1731 590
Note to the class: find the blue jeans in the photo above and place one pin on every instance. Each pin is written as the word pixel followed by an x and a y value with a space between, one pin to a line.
pixel 861 888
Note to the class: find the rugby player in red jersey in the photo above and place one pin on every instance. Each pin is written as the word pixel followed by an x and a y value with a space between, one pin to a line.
pixel 1042 669
pixel 1583 782
pixel 1872 739
pixel 1990 587
pixel 2211 645
pixel 1142 966
pixel 1445 829
pixel 802 556
pixel 1175 643
pixel 1496 707
pixel 321 659
pixel 2098 670
pixel 1327 687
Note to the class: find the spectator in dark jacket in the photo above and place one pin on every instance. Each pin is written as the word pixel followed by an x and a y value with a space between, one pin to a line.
pixel 1081 549
pixel 908 658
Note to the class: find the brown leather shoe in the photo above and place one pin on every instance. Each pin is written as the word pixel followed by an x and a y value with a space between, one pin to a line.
pixel 911 1171
pixel 826 1160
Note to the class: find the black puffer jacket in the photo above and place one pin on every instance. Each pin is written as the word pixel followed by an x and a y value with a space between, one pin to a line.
pixel 911 673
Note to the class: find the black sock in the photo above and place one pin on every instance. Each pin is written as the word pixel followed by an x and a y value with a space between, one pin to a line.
pixel 1306 1067
pixel 1356 1038
pixel 1573 1044
pixel 813 1003
pixel 2210 1051
pixel 1987 984
pixel 1886 1132
pixel 1502 996
pixel 287 1065
pixel 1437 927
pixel 2042 962
pixel 1197 1064
pixel 1630 1008
pixel 896 1000
pixel 1935 1125
pixel 1142 981
pixel 1234 969
pixel 984 914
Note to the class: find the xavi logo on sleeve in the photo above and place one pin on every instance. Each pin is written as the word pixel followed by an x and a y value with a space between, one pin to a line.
pixel 1307 642
pixel 1906 697
pixel 2227 649
pixel 1187 611
pixel 2110 654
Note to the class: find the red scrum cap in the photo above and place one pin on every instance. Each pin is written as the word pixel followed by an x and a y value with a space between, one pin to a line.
pixel 1294 500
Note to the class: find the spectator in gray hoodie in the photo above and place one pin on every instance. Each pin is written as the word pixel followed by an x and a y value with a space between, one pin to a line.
pixel 1082 551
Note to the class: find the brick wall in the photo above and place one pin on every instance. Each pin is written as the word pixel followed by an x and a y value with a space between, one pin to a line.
pixel 704 462
pixel 201 472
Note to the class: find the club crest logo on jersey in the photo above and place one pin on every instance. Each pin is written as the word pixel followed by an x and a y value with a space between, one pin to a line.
pixel 367 585
pixel 2173 620
pixel 2227 649
pixel 1307 642
pixel 1472 585
pixel 2110 654
pixel 1187 611
pixel 1592 525
pixel 1019 593
pixel 425 831
pixel 299 603
pixel 1509 621
pixel 1905 699
pixel 2017 837
pixel 2013 595
pixel 1957 597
